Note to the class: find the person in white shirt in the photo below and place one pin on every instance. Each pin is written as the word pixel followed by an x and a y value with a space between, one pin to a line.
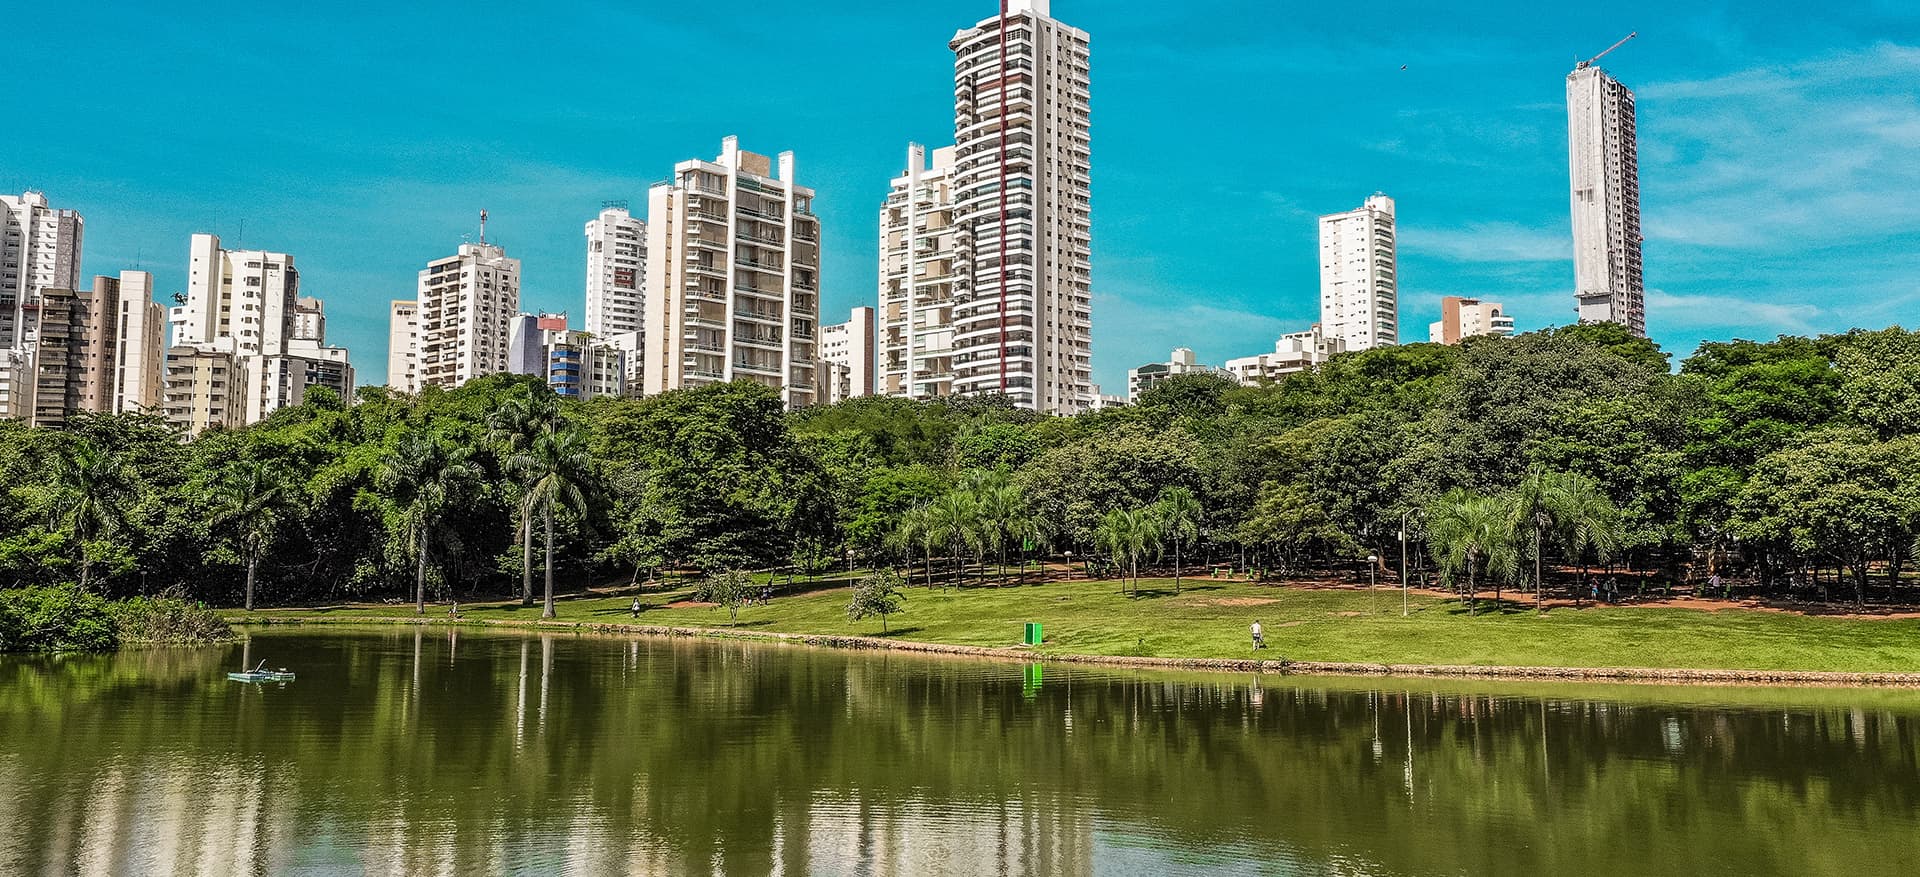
pixel 1259 636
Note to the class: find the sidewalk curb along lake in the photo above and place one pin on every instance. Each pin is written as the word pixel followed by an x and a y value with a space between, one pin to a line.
pixel 1238 665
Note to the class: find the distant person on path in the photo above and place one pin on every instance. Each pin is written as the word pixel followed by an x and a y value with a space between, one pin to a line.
pixel 634 610
pixel 453 611
pixel 1259 636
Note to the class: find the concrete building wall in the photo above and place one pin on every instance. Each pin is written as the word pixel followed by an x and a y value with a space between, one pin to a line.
pixel 1294 353
pixel 139 355
pixel 403 346
pixel 849 348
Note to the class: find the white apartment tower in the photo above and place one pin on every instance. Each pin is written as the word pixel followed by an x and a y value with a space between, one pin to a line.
pixel 466 304
pixel 846 358
pixel 1606 200
pixel 616 271
pixel 919 278
pixel 733 276
pixel 139 359
pixel 1359 295
pixel 39 250
pixel 244 301
pixel 403 346
pixel 1022 317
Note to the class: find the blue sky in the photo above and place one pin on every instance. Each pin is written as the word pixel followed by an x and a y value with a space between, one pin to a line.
pixel 1780 150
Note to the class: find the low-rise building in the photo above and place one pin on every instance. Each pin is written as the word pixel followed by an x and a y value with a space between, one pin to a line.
pixel 1180 362
pixel 1467 317
pixel 205 388
pixel 1294 353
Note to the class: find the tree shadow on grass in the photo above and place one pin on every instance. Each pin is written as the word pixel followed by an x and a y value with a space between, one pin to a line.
pixel 757 622
pixel 1486 607
pixel 892 633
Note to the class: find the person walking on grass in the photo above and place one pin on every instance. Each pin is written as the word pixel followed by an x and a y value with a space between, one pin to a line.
pixel 1259 636
pixel 634 610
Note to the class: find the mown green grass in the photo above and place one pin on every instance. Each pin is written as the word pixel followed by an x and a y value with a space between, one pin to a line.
pixel 1210 619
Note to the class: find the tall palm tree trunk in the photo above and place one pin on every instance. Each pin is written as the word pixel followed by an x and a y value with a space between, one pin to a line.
pixel 420 577
pixel 253 563
pixel 547 515
pixel 526 555
pixel 1176 566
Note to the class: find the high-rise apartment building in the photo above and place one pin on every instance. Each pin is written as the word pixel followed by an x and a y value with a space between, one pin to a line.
pixel 98 350
pixel 616 271
pixel 247 296
pixel 846 357
pixel 1605 171
pixel 39 250
pixel 403 346
pixel 1468 317
pixel 245 305
pixel 919 278
pixel 1359 291
pixel 205 387
pixel 140 354
pixel 465 306
pixel 733 276
pixel 1022 320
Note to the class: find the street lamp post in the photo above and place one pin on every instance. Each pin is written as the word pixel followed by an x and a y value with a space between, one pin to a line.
pixel 850 568
pixel 1404 518
pixel 1373 562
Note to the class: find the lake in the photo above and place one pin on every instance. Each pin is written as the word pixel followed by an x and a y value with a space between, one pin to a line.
pixel 446 751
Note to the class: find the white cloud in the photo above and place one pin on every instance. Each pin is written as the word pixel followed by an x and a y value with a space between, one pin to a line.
pixel 1814 152
pixel 1718 312
pixel 1489 242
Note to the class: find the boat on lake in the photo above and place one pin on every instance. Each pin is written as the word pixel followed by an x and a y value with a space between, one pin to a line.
pixel 262 674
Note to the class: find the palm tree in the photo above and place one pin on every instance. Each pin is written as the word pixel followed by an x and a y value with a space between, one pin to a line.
pixel 999 507
pixel 1473 532
pixel 1588 521
pixel 93 487
pixel 953 519
pixel 558 471
pixel 251 495
pixel 1179 515
pixel 513 428
pixel 1127 534
pixel 1029 527
pixel 426 475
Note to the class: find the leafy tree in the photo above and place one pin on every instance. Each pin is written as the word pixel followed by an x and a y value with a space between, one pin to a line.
pixel 252 498
pixel 876 594
pixel 513 429
pixel 1472 532
pixel 1179 516
pixel 558 472
pixel 92 487
pixel 1126 534
pixel 428 477
pixel 1286 520
pixel 727 589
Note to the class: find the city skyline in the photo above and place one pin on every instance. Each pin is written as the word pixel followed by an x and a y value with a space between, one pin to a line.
pixel 1748 232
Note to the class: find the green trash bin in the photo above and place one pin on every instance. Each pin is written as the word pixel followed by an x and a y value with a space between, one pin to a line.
pixel 1034 636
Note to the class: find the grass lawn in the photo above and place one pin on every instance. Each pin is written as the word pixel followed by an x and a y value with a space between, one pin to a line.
pixel 1210 619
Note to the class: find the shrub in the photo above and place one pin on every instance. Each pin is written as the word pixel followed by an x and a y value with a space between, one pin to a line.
pixel 168 620
pixel 56 619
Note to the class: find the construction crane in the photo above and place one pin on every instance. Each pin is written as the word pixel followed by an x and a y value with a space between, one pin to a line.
pixel 1589 62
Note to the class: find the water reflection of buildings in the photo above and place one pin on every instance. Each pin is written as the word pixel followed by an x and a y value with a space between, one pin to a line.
pixel 852 833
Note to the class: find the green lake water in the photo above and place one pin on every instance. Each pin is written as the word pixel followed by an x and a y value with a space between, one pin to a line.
pixel 436 751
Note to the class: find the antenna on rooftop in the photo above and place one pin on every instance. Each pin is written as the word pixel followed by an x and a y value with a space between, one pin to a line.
pixel 1590 61
pixel 483 226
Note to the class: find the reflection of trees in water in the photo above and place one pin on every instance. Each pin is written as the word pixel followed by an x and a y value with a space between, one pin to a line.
pixel 410 752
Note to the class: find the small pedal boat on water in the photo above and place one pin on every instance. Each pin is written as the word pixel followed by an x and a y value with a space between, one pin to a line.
pixel 262 674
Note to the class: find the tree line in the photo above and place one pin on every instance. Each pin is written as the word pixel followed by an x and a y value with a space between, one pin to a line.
pixel 1789 467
